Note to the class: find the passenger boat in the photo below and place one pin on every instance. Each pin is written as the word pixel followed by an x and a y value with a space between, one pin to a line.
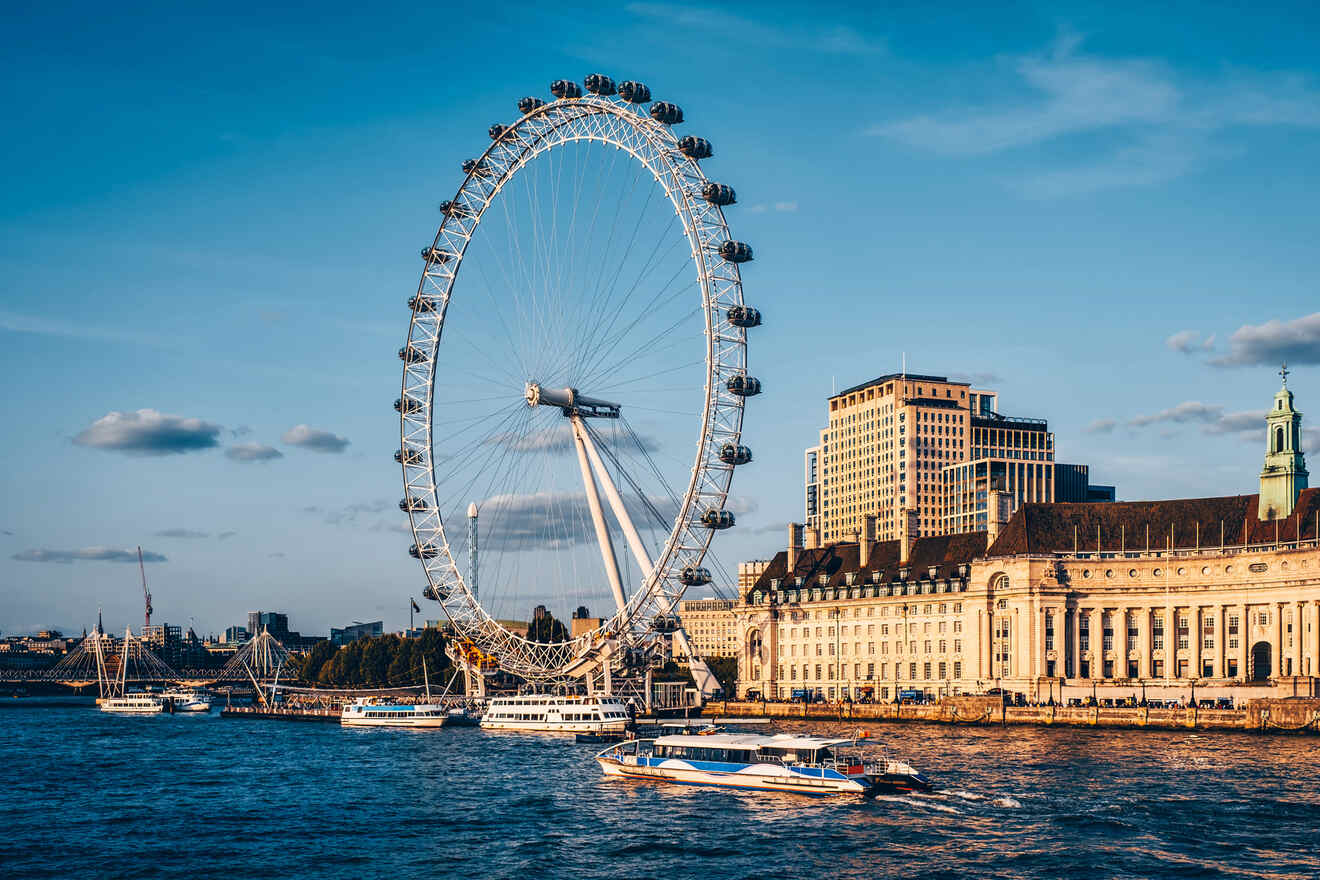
pixel 551 714
pixel 464 716
pixel 783 762
pixel 133 704
pixel 369 712
pixel 181 700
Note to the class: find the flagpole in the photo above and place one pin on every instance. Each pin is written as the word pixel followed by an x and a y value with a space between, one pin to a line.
pixel 411 604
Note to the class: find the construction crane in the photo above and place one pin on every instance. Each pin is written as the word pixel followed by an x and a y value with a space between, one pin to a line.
pixel 146 594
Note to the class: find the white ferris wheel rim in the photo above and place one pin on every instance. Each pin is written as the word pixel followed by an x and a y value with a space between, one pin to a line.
pixel 614 122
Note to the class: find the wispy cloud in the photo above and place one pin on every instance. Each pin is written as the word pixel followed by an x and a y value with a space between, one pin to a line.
pixel 1159 125
pixel 825 38
pixel 182 533
pixel 349 513
pixel 1270 344
pixel 1210 416
pixel 252 452
pixel 315 439
pixel 225 536
pixel 148 432
pixel 1101 426
pixel 777 207
pixel 87 554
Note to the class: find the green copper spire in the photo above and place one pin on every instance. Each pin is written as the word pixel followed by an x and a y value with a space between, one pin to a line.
pixel 1284 474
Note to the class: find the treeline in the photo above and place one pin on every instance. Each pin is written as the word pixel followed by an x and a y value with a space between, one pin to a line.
pixel 387 661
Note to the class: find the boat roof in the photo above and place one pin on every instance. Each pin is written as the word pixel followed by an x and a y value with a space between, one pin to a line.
pixel 750 741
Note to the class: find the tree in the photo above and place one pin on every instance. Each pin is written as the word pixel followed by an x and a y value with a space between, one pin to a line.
pixel 546 629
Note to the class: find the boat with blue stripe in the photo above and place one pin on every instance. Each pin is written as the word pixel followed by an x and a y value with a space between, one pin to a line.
pixel 811 765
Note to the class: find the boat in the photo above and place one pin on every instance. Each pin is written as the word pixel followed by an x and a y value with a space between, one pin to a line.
pixel 811 765
pixel 183 700
pixel 464 716
pixel 134 703
pixel 371 712
pixel 551 714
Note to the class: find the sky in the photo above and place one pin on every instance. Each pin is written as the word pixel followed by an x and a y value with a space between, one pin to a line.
pixel 211 220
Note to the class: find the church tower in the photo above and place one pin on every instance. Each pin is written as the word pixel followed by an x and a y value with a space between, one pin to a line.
pixel 1284 475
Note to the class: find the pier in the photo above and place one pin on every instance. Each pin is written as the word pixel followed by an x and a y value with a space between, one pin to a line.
pixel 1297 716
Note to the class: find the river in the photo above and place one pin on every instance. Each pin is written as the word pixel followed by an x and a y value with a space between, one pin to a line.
pixel 212 797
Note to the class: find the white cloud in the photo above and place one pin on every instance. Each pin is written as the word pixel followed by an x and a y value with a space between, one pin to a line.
pixel 1101 426
pixel 1184 341
pixel 148 432
pixel 1274 342
pixel 830 39
pixel 87 554
pixel 315 439
pixel 252 452
pixel 1160 125
pixel 182 533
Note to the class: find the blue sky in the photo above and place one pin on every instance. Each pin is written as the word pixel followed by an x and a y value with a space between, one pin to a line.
pixel 1107 215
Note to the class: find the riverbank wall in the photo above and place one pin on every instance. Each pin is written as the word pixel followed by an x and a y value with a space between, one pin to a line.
pixel 1297 716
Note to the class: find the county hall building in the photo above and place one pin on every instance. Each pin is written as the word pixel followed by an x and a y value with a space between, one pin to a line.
pixel 1202 597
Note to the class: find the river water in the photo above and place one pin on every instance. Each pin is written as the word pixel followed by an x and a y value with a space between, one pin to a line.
pixel 213 797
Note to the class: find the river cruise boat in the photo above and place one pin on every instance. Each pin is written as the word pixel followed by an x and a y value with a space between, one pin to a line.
pixel 784 762
pixel 368 712
pixel 134 704
pixel 181 700
pixel 551 714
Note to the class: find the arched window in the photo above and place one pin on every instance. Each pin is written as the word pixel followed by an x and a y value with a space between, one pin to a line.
pixel 1278 439
pixel 999 582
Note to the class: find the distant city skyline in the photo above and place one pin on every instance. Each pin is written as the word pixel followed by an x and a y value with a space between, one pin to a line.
pixel 1107 215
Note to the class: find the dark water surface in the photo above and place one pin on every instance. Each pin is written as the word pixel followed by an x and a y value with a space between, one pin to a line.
pixel 211 797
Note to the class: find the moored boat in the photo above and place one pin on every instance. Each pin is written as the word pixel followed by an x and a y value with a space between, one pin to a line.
pixel 369 712
pixel 133 703
pixel 554 714
pixel 784 762
pixel 182 700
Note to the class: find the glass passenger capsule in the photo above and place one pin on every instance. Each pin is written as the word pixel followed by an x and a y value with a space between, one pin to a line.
pixel 408 456
pixel 634 92
pixel 407 405
pixel 411 354
pixel 496 131
pixel 694 576
pixel 736 251
pixel 423 303
pixel 667 113
pixel 695 147
pixel 599 84
pixel 453 209
pixel 529 104
pixel 717 519
pixel 744 316
pixel 731 453
pixel 424 551
pixel 565 88
pixel 719 194
pixel 744 386
pixel 475 168
pixel 433 254
pixel 413 504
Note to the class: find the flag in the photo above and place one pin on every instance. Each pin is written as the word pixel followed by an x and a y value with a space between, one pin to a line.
pixel 414 604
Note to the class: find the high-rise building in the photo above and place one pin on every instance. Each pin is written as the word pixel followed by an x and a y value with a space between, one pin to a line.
pixel 884 451
pixel 930 447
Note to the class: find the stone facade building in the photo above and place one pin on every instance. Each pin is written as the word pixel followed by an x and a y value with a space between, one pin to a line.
pixel 710 626
pixel 1212 596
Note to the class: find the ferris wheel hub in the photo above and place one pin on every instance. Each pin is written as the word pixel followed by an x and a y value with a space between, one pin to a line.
pixel 571 401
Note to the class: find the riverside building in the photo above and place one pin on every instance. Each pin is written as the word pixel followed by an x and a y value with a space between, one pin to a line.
pixel 710 626
pixel 909 442
pixel 1180 599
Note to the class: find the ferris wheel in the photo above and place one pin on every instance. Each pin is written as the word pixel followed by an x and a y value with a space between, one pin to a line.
pixel 584 383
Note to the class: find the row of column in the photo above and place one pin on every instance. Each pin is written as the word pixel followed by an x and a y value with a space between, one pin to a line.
pixel 1301 657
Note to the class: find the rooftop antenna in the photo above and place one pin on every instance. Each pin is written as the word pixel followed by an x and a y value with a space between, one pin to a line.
pixel 146 595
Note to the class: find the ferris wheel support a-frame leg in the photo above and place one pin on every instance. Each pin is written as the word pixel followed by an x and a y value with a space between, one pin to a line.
pixel 597 513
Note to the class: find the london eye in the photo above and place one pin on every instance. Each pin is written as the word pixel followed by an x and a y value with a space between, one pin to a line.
pixel 580 393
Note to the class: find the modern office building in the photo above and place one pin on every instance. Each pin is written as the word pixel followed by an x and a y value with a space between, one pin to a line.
pixel 357 630
pixel 929 446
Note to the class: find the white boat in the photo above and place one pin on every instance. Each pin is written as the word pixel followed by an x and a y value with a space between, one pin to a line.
pixel 182 700
pixel 133 704
pixel 784 762
pixel 370 712
pixel 551 714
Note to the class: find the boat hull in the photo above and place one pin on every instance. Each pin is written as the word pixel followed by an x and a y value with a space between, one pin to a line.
pixel 593 727
pixel 394 722
pixel 753 777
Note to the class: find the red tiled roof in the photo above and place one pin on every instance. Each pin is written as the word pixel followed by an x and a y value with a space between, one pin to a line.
pixel 1184 523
